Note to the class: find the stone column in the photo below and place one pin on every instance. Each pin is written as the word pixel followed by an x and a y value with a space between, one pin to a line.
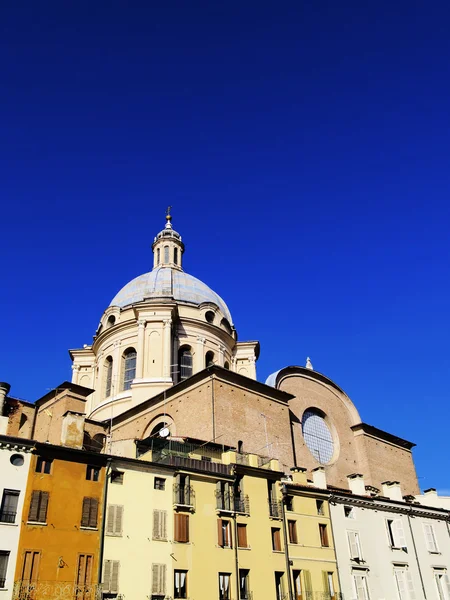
pixel 200 355
pixel 75 373
pixel 140 349
pixel 166 347
pixel 221 355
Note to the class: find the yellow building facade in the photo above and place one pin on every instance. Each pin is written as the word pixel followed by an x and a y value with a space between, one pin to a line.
pixel 60 541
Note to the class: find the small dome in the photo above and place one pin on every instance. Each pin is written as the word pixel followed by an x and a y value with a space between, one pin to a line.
pixel 163 282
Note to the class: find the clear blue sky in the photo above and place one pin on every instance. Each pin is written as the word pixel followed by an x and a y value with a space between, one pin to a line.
pixel 304 146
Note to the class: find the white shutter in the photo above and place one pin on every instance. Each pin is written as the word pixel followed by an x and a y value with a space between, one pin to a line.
pixel 353 544
pixel 156 524
pixel 162 579
pixel 118 520
pixel 110 520
pixel 159 579
pixel 429 537
pixel 115 576
pixel 401 584
pixel 107 576
pixel 399 534
pixel 447 583
pixel 360 587
pixel 410 584
pixel 163 525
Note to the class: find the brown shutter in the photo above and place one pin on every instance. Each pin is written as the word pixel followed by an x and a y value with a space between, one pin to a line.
pixel 93 512
pixel 276 539
pixel 43 504
pixel 110 520
pixel 34 506
pixel 219 533
pixel 85 512
pixel 186 528
pixel 81 571
pixel 88 573
pixel 242 536
pixel 30 568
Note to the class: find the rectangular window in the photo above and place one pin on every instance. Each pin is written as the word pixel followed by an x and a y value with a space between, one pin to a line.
pixel 158 580
pixel 117 477
pixel 89 513
pixel 181 527
pixel 38 507
pixel 30 568
pixel 360 585
pixel 329 588
pixel 320 507
pixel 349 512
pixel 242 535
pixel 354 545
pixel 292 527
pixel 224 533
pixel 442 583
pixel 396 535
pixel 430 537
pixel 404 583
pixel 92 473
pixel 289 503
pixel 84 573
pixel 244 584
pixel 279 585
pixel 323 535
pixel 180 584
pixel 114 520
pixel 160 525
pixel 160 483
pixel 4 557
pixel 296 575
pixel 8 509
pixel 111 576
pixel 182 490
pixel 224 586
pixel 43 465
pixel 276 539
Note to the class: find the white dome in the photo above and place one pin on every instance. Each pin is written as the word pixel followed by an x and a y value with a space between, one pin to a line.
pixel 168 282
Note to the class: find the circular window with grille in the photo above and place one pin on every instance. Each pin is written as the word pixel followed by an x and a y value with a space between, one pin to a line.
pixel 317 436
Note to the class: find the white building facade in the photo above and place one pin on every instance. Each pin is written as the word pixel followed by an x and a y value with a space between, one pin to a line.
pixel 388 548
pixel 14 468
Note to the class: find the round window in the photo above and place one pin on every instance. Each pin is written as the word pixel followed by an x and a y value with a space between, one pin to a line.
pixel 17 460
pixel 317 436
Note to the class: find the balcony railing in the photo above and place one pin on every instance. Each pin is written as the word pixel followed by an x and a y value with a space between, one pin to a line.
pixel 183 495
pixel 55 590
pixel 275 509
pixel 227 501
pixel 2 582
pixel 7 517
pixel 192 463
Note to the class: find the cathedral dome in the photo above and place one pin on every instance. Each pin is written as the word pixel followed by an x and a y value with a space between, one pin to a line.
pixel 169 282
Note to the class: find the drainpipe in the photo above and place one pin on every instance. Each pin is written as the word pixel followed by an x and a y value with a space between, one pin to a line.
pixel 415 553
pixel 236 556
pixel 103 525
pixel 286 546
pixel 334 545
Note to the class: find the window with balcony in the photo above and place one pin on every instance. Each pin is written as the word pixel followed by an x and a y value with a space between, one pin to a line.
pixel 183 491
pixel 8 508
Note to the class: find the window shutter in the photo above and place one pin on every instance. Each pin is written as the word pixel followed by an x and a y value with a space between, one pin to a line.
pixel 242 536
pixel 429 536
pixel 85 512
pixel 447 583
pixel 158 579
pixel 400 540
pixel 401 584
pixel 325 582
pixel 34 506
pixel 110 520
pixel 277 539
pixel 354 553
pixel 156 524
pixel 163 525
pixel 187 490
pixel 93 512
pixel 308 585
pixel 42 514
pixel 176 534
pixel 107 576
pixel 183 528
pixel 115 576
pixel 155 579
pixel 219 532
pixel 118 520
pixel 162 578
pixel 410 584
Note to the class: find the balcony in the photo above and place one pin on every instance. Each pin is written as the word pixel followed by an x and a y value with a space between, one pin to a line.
pixel 275 509
pixel 227 501
pixel 191 463
pixel 184 496
pixel 7 517
pixel 55 590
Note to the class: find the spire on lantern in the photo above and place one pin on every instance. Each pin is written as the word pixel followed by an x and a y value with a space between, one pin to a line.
pixel 167 246
pixel 309 364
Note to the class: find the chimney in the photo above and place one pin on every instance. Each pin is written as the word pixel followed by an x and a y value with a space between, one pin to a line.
pixel 356 484
pixel 430 492
pixel 319 478
pixel 299 475
pixel 72 433
pixel 392 490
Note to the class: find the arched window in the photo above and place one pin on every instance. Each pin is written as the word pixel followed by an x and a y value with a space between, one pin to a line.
pixel 185 362
pixel 158 256
pixel 166 254
pixel 209 359
pixel 175 255
pixel 108 376
pixel 111 321
pixel 226 365
pixel 129 367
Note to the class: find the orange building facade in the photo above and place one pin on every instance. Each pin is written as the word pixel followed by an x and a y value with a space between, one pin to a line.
pixel 60 541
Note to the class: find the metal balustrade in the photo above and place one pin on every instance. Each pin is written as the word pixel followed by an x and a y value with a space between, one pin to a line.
pixel 275 509
pixel 183 495
pixel 55 590
pixel 7 517
pixel 227 501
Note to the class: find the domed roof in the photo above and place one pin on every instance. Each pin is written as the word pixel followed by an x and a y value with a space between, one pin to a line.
pixel 165 281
